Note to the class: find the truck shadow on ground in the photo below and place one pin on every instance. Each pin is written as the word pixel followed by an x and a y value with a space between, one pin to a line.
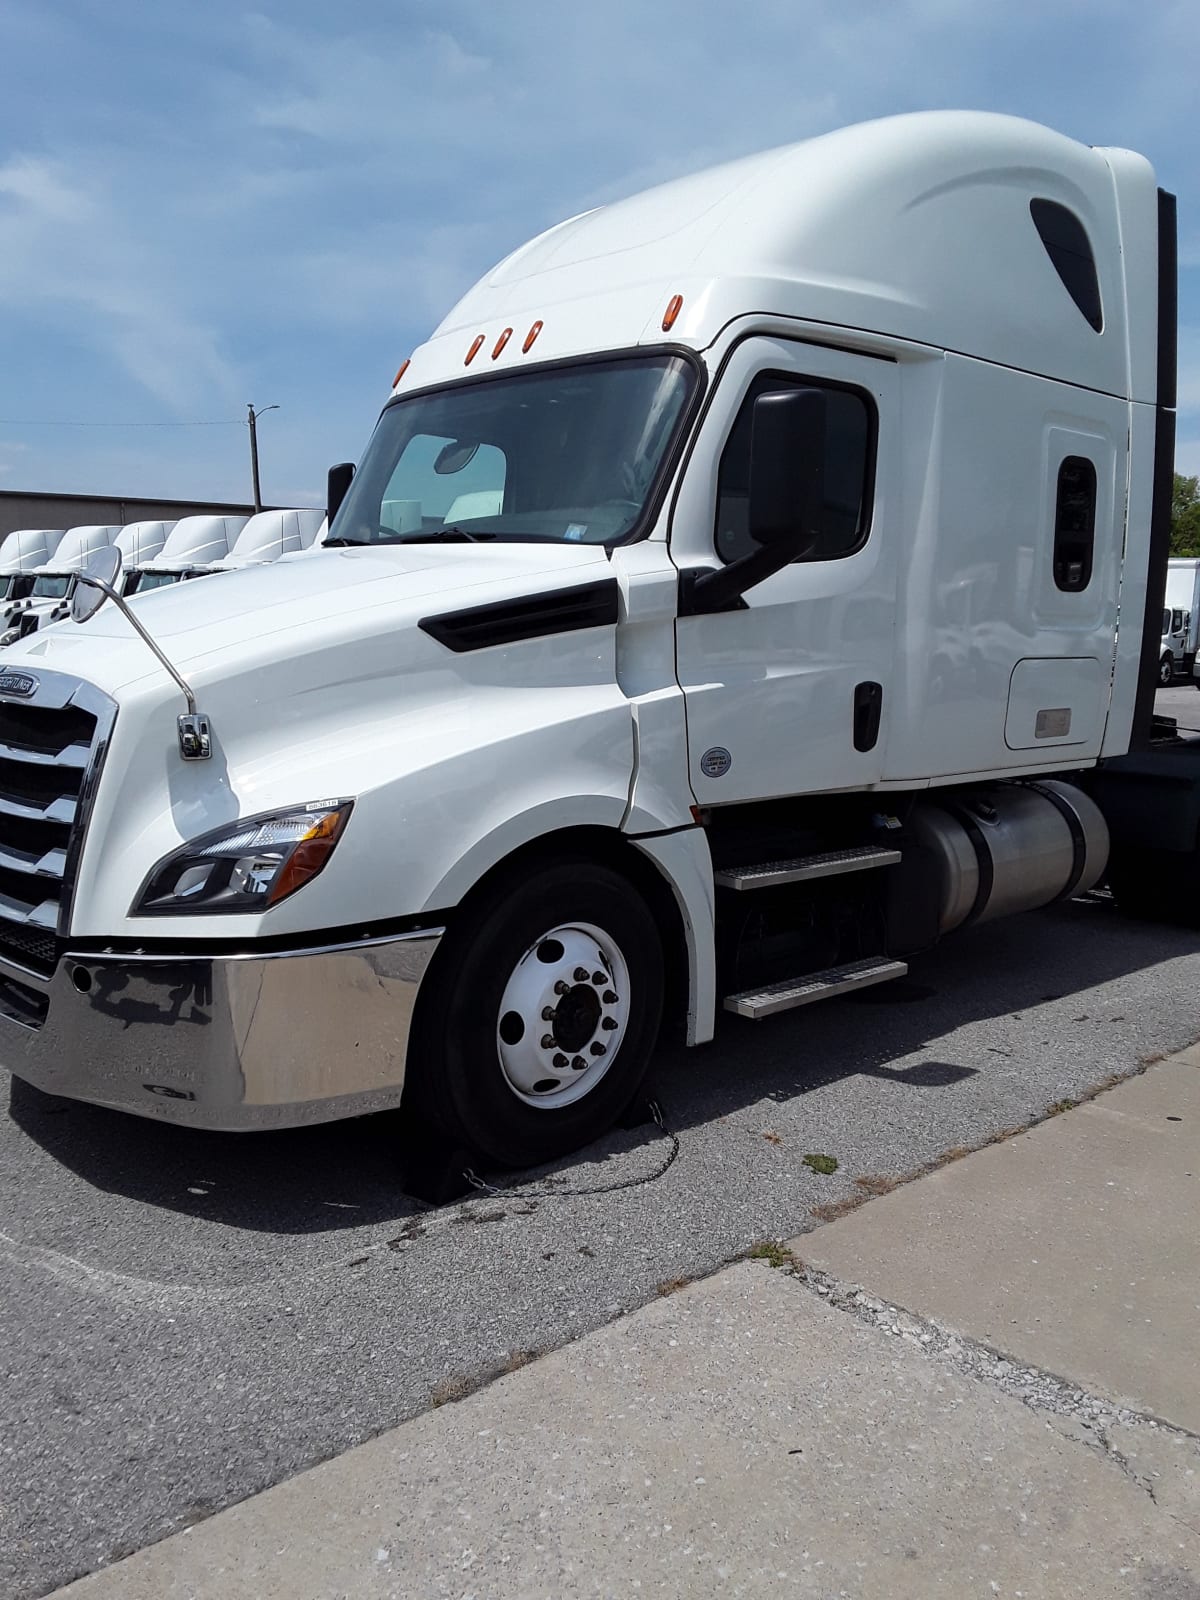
pixel 345 1175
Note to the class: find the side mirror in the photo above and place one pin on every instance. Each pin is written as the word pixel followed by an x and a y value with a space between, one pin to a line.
pixel 339 482
pixel 785 501
pixel 97 582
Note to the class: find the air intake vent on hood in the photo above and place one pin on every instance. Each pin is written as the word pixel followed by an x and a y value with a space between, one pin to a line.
pixel 587 605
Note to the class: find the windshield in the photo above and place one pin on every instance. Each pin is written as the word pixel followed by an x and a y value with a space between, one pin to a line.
pixel 568 453
pixel 152 580
pixel 52 586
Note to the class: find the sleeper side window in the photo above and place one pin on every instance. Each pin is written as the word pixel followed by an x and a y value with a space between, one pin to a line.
pixel 848 474
pixel 1074 524
pixel 1069 248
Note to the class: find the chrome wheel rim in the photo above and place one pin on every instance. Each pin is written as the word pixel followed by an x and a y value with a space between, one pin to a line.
pixel 563 1015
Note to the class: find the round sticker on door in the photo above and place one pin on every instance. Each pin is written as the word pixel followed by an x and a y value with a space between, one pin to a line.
pixel 715 763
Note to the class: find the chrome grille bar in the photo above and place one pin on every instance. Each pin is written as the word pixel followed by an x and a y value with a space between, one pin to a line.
pixel 52 741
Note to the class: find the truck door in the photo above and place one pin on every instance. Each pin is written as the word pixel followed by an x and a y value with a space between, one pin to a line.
pixel 788 693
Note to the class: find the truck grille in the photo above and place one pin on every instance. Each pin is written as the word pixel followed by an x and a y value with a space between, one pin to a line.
pixel 51 744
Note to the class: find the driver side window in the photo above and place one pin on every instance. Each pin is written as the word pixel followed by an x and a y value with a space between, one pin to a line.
pixel 849 462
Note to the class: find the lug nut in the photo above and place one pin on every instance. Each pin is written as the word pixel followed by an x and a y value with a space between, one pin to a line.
pixel 562 987
pixel 599 979
pixel 581 974
pixel 609 1024
pixel 560 1061
pixel 599 1049
pixel 548 1041
pixel 609 998
pixel 578 1064
pixel 548 1013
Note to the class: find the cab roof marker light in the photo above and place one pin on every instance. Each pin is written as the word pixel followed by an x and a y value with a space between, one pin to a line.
pixel 501 342
pixel 476 346
pixel 674 307
pixel 530 337
pixel 404 366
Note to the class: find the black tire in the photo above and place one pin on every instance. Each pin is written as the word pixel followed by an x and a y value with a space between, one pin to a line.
pixel 456 1078
pixel 1166 670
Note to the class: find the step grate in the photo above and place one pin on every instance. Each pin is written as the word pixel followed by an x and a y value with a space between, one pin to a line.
pixel 813 986
pixel 829 864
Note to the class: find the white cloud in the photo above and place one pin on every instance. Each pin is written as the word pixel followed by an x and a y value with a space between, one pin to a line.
pixel 45 191
pixel 64 241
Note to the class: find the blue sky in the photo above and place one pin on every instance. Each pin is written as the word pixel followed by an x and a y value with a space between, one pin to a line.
pixel 204 205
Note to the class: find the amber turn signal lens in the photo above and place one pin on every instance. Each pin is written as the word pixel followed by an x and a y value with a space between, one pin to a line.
pixel 404 365
pixel 530 337
pixel 501 342
pixel 674 307
pixel 476 346
pixel 309 855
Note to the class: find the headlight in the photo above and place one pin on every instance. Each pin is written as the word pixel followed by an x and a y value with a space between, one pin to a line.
pixel 248 866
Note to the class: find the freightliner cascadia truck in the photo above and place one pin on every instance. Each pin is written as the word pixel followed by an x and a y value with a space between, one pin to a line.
pixel 748 585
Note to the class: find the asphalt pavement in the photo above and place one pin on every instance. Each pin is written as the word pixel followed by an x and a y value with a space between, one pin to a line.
pixel 1181 701
pixel 188 1318
pixel 866 1414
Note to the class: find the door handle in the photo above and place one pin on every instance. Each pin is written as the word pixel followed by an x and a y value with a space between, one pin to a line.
pixel 868 709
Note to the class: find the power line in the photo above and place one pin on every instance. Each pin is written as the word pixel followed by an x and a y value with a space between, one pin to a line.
pixel 20 422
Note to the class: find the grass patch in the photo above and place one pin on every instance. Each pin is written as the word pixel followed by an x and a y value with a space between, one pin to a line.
pixel 451 1389
pixel 773 1253
pixel 826 1165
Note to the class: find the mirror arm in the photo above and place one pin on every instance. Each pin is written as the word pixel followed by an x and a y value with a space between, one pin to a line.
pixel 123 608
pixel 705 589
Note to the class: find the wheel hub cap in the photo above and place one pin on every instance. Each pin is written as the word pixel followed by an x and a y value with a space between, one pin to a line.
pixel 563 1015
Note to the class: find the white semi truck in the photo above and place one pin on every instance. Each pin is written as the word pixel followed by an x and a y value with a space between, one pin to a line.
pixel 24 550
pixel 270 535
pixel 138 543
pixel 724 610
pixel 204 545
pixel 54 578
pixel 196 546
pixel 1183 606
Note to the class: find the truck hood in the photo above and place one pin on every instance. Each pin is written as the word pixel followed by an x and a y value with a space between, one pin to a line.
pixel 219 626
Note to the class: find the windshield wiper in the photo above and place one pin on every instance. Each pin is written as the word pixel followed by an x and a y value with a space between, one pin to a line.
pixel 434 535
pixel 338 542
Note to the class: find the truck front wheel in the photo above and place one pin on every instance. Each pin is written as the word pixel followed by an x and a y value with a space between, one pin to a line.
pixel 540 1015
pixel 1166 669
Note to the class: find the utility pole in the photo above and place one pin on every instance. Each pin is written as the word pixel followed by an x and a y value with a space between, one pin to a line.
pixel 252 419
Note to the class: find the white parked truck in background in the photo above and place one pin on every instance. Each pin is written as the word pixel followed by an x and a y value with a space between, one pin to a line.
pixel 22 551
pixel 613 697
pixel 205 545
pixel 138 543
pixel 54 578
pixel 269 535
pixel 1183 602
pixel 195 546
pixel 1172 645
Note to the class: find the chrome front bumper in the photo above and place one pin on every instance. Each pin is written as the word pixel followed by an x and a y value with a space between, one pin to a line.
pixel 226 1042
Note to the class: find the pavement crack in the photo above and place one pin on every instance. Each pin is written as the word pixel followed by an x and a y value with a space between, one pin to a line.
pixel 1090 1417
pixel 1101 1441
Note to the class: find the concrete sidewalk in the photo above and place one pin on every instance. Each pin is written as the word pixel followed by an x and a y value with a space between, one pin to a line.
pixel 984 1383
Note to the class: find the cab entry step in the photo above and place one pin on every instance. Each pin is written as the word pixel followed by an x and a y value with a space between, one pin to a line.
pixel 759 1003
pixel 768 874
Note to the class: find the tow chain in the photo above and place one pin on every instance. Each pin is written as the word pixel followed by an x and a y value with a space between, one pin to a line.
pixel 552 1192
